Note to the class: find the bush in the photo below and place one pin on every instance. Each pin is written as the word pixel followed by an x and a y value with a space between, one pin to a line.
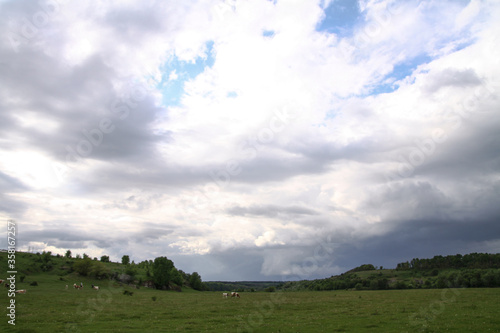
pixel 34 283
pixel 271 289
pixel 83 267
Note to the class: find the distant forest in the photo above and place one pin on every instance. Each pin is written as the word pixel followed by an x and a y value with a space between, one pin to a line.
pixel 475 270
pixel 458 261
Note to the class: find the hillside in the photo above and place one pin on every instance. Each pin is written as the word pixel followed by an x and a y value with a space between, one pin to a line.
pixel 160 273
pixel 474 270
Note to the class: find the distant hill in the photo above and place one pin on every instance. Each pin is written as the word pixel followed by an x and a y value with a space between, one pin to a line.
pixel 68 267
pixel 475 270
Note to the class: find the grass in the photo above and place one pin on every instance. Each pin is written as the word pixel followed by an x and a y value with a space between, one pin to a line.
pixel 49 307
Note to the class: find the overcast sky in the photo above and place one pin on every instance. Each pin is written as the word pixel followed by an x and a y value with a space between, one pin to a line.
pixel 252 139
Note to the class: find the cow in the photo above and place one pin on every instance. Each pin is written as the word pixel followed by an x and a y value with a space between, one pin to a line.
pixel 21 291
pixel 224 295
pixel 66 286
pixel 1 281
pixel 76 286
pixel 95 287
pixel 234 294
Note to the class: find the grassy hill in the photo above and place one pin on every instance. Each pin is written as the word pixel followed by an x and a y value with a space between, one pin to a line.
pixel 31 266
pixel 475 270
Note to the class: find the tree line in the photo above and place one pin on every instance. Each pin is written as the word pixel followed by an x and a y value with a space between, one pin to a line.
pixel 475 270
pixel 160 273
pixel 458 261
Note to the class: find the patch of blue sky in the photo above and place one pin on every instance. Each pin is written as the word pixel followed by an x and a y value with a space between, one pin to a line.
pixel 268 33
pixel 341 16
pixel 176 72
pixel 399 72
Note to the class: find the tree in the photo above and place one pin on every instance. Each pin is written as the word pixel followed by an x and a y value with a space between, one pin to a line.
pixel 162 268
pixel 46 256
pixel 195 281
pixel 176 277
pixel 125 260
pixel 83 267
pixel 99 270
pixel 131 270
pixel 104 258
pixel 68 254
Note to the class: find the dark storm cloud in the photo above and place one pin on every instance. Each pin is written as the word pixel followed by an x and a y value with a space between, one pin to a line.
pixel 153 231
pixel 266 168
pixel 417 239
pixel 14 208
pixel 94 121
pixel 10 184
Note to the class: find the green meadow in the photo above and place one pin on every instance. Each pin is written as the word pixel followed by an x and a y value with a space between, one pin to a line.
pixel 50 307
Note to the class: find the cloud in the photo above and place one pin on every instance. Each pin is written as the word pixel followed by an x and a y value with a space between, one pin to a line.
pixel 270 211
pixel 236 138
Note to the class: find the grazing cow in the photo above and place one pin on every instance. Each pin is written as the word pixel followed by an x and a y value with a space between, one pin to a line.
pixel 76 286
pixel 233 294
pixel 21 291
pixel 224 295
pixel 95 287
pixel 1 281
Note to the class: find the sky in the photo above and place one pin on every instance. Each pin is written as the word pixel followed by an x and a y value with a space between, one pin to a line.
pixel 251 140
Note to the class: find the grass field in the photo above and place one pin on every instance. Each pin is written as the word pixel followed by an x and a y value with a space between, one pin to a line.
pixel 49 307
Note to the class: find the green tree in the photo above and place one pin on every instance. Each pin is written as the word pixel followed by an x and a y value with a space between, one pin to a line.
pixel 195 281
pixel 176 277
pixel 46 256
pixel 125 260
pixel 162 268
pixel 131 270
pixel 68 254
pixel 83 267
pixel 104 258
pixel 99 270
